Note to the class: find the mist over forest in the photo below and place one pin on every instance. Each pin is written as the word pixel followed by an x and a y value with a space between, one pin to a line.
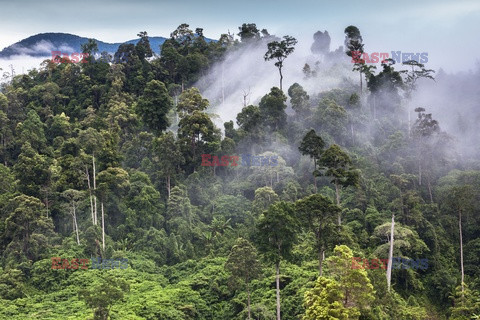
pixel 256 176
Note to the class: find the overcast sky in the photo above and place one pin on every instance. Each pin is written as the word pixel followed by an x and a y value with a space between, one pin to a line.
pixel 447 30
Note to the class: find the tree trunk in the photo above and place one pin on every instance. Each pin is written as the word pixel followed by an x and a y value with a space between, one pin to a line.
pixel 277 282
pixel 337 193
pixel 90 192
pixel 461 247
pixel 281 78
pixel 75 223
pixel 103 227
pixel 321 256
pixel 94 190
pixel 361 85
pixel 168 186
pixel 390 254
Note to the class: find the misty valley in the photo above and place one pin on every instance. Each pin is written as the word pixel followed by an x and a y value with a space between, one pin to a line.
pixel 251 176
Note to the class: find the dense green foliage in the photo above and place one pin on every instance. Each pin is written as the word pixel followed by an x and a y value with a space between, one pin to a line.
pixel 104 160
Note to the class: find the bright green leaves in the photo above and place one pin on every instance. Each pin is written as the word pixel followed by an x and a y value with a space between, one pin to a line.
pixel 154 105
pixel 345 294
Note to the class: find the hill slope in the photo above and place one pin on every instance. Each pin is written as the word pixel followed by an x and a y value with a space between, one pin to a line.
pixel 42 44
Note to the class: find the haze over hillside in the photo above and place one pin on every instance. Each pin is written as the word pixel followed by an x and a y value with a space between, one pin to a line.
pixel 274 173
pixel 41 45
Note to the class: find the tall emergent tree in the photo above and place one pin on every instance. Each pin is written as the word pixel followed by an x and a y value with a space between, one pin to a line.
pixel 74 197
pixel 459 199
pixel 91 47
pixel 417 71
pixel 337 164
pixel 317 214
pixel 248 32
pixel 354 45
pixel 424 130
pixel 272 109
pixel 299 99
pixel 103 295
pixel 384 89
pixel 27 231
pixel 143 46
pixel 92 142
pixel 312 145
pixel 196 129
pixel 276 233
pixel 346 294
pixel 154 105
pixel 113 182
pixel 168 157
pixel 279 51
pixel 244 265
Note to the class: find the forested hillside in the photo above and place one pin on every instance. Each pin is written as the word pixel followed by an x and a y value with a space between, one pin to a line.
pixel 336 194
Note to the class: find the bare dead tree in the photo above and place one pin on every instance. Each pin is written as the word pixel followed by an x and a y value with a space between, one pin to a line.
pixel 245 96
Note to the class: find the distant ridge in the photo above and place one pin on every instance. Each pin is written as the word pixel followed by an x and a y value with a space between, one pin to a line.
pixel 41 45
